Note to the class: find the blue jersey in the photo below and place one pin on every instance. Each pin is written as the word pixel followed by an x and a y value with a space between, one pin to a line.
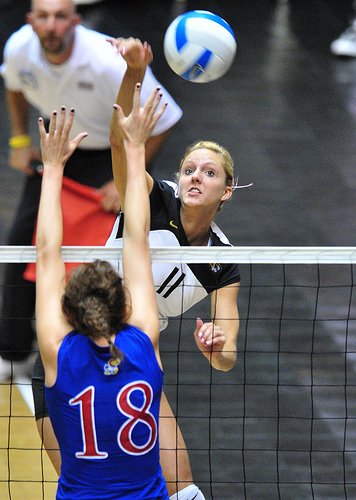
pixel 106 419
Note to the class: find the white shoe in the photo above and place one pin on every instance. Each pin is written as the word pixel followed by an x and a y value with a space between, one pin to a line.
pixel 16 370
pixel 345 45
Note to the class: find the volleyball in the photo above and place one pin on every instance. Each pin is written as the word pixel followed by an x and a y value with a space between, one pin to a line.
pixel 199 46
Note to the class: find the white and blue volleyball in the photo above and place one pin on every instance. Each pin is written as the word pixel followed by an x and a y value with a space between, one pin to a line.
pixel 199 46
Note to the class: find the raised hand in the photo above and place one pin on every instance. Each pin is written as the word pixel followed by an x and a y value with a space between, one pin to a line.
pixel 138 125
pixel 56 147
pixel 136 54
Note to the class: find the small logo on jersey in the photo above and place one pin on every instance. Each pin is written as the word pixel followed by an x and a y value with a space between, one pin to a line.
pixel 216 268
pixel 111 367
pixel 28 79
pixel 85 85
pixel 171 223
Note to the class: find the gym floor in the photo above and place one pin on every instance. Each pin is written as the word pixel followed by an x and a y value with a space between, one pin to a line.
pixel 287 112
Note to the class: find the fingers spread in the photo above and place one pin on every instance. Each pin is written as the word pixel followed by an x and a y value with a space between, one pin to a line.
pixel 78 139
pixel 61 121
pixel 152 103
pixel 136 97
pixel 53 122
pixel 41 127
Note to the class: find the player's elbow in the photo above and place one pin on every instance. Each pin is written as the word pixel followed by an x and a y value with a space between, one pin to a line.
pixel 226 361
pixel 231 362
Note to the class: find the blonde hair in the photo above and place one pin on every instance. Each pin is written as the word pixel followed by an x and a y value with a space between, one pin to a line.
pixel 226 159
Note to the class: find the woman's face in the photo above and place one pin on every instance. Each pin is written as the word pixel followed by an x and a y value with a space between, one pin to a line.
pixel 202 180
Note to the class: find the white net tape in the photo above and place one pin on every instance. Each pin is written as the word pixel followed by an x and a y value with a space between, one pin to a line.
pixel 242 255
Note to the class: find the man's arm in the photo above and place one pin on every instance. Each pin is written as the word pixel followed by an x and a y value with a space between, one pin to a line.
pixel 18 112
pixel 21 151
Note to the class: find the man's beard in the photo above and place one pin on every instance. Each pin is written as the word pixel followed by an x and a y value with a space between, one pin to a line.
pixel 52 45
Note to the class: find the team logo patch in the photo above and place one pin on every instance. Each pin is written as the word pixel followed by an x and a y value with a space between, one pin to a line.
pixel 216 268
pixel 28 79
pixel 111 367
pixel 86 85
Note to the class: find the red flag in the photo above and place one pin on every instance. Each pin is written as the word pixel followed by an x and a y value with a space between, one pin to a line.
pixel 84 221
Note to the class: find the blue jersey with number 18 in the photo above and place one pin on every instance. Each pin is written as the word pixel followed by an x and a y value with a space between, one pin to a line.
pixel 105 418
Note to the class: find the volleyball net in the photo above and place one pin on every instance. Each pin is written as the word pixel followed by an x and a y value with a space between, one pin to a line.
pixel 282 423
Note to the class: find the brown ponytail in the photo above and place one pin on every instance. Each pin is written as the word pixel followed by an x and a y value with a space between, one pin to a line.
pixel 94 302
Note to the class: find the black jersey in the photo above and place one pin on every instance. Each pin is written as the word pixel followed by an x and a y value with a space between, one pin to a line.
pixel 178 286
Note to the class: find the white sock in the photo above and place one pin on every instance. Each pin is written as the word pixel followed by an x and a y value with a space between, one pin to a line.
pixel 191 492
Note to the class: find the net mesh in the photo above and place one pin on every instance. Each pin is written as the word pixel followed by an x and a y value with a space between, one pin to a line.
pixel 282 423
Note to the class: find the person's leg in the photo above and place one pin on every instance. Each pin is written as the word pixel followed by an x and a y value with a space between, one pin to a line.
pixel 43 421
pixel 49 441
pixel 174 457
pixel 16 331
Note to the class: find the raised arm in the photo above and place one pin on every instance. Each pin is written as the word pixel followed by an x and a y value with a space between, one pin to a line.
pixel 136 259
pixel 138 56
pixel 217 339
pixel 51 324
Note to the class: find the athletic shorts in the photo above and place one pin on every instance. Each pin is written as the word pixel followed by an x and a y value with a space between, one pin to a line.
pixel 38 382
